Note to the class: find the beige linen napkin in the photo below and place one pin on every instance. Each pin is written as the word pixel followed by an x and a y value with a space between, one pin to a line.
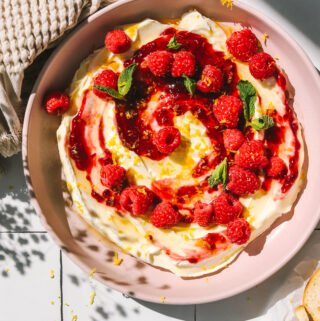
pixel 27 27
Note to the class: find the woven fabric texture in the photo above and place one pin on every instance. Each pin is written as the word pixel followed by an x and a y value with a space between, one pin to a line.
pixel 27 27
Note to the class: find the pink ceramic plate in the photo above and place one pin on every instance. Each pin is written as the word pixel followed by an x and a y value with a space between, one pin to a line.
pixel 42 165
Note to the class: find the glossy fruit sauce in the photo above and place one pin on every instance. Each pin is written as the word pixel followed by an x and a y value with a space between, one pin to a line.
pixel 136 134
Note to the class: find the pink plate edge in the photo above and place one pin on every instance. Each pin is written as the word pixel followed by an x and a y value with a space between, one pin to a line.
pixel 74 258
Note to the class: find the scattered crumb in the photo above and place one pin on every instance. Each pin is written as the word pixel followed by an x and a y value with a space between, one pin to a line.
pixel 71 311
pixel 74 318
pixel 52 302
pixel 66 304
pixel 276 58
pixel 291 301
pixel 99 240
pixel 51 274
pixel 10 187
pixel 59 297
pixel 207 280
pixel 92 297
pixel 7 270
pixel 264 37
pixel 248 299
pixel 92 271
pixel 116 260
pixel 227 3
pixel 162 299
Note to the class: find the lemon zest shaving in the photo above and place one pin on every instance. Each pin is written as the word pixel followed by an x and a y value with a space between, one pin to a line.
pixel 116 260
pixel 92 297
pixel 227 3
pixel 92 271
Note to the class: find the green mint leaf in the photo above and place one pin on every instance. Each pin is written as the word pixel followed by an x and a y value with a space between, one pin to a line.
pixel 125 79
pixel 225 174
pixel 263 122
pixel 173 44
pixel 248 96
pixel 190 84
pixel 109 91
pixel 219 175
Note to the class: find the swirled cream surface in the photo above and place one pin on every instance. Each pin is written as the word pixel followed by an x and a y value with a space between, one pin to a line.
pixel 96 128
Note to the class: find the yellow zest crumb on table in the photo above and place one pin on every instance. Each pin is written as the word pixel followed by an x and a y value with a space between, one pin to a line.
pixel 291 301
pixel 99 240
pixel 7 270
pixel 66 304
pixel 162 299
pixel 207 280
pixel 116 260
pixel 264 37
pixel 127 249
pixel 92 271
pixel 74 318
pixel 227 3
pixel 276 58
pixel 52 302
pixel 51 274
pixel 248 299
pixel 10 187
pixel 92 297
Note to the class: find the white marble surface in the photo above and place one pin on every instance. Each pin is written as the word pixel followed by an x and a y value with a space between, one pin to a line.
pixel 27 254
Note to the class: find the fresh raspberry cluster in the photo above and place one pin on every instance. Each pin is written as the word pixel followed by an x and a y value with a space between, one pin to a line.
pixel 167 139
pixel 211 79
pixel 242 44
pixel 165 216
pixel 227 110
pixel 232 139
pixel 112 175
pixel 184 64
pixel 203 213
pixel 239 231
pixel 160 62
pixel 226 208
pixel 242 181
pixel 251 155
pixel 136 199
pixel 117 41
pixel 107 78
pixel 56 103
pixel 276 167
pixel 262 66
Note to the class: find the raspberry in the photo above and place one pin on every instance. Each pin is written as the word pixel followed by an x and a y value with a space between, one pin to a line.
pixel 164 215
pixel 239 231
pixel 112 175
pixel 226 208
pixel 242 44
pixel 242 181
pixel 227 110
pixel 262 66
pixel 211 79
pixel 250 155
pixel 136 200
pixel 203 213
pixel 117 41
pixel 276 167
pixel 167 139
pixel 56 103
pixel 232 139
pixel 106 78
pixel 160 62
pixel 184 63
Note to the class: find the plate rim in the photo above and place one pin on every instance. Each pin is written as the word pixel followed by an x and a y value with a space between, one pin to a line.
pixel 140 294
